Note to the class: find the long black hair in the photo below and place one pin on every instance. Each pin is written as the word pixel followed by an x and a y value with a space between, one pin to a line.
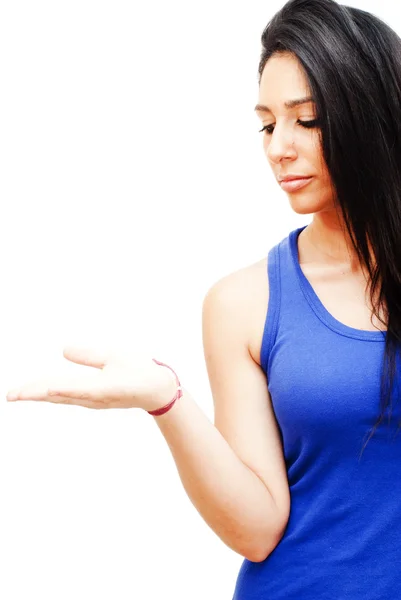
pixel 352 61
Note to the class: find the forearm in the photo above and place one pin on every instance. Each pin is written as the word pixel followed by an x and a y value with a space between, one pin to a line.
pixel 232 499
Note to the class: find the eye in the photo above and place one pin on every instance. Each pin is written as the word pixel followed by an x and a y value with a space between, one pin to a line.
pixel 268 129
pixel 309 124
pixel 306 124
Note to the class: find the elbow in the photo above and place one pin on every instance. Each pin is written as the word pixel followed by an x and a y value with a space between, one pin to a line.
pixel 262 551
pixel 258 555
pixel 256 558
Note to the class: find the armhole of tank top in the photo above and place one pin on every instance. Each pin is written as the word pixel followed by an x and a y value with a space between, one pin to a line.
pixel 273 308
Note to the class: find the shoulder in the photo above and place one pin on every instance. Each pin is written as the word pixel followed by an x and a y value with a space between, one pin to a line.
pixel 245 294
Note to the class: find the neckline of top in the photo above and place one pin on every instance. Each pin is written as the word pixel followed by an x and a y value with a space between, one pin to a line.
pixel 319 308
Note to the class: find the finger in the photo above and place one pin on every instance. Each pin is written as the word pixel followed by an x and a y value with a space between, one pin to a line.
pixel 96 404
pixel 87 356
pixel 76 402
pixel 78 388
pixel 35 396
pixel 12 395
pixel 72 393
pixel 31 391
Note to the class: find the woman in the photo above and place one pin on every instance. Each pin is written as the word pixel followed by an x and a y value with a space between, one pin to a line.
pixel 295 474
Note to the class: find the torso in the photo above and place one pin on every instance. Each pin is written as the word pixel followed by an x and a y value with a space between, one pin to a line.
pixel 344 295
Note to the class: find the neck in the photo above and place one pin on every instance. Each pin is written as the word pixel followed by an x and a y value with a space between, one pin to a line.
pixel 328 236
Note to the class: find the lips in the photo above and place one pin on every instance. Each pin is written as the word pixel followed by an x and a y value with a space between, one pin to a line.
pixel 292 177
pixel 292 184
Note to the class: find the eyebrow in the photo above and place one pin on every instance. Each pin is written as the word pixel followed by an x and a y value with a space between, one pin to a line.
pixel 288 104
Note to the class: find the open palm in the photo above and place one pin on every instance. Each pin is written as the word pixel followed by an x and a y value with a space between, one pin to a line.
pixel 115 381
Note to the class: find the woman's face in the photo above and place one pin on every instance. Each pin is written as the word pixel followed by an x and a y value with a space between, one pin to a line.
pixel 291 147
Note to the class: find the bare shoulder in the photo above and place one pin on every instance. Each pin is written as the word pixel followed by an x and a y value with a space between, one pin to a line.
pixel 249 289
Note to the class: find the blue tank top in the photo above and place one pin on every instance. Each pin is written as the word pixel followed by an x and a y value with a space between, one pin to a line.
pixel 343 537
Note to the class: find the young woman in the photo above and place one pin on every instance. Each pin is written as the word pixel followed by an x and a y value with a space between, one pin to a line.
pixel 300 472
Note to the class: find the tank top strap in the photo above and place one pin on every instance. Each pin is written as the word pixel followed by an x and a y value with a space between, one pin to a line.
pixel 286 300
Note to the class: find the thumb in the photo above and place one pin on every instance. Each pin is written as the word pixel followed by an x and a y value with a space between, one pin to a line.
pixel 87 356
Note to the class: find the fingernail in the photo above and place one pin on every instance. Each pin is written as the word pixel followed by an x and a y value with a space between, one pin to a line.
pixel 11 397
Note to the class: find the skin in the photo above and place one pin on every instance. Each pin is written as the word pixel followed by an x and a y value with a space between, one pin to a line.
pixel 291 148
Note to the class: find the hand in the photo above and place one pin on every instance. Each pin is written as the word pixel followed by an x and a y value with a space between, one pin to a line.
pixel 121 381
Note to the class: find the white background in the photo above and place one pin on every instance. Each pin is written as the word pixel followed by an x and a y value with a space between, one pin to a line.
pixel 132 178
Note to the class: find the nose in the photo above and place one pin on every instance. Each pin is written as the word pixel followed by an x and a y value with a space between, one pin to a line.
pixel 280 145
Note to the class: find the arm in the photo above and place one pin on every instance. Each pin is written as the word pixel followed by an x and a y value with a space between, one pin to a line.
pixel 233 471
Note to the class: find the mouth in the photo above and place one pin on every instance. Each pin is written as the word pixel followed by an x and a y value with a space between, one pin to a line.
pixel 293 185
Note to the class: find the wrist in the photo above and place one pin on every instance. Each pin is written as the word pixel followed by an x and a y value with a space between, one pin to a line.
pixel 168 395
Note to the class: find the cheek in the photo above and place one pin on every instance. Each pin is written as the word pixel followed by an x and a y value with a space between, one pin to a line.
pixel 324 174
pixel 316 154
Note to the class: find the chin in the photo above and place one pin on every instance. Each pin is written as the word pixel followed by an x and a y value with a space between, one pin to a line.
pixel 304 206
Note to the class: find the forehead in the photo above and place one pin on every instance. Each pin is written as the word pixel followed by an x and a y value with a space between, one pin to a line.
pixel 282 78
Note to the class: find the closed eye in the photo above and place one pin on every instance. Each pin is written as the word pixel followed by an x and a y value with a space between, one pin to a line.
pixel 306 124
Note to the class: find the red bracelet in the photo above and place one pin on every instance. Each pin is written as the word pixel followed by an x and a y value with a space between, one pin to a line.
pixel 164 409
